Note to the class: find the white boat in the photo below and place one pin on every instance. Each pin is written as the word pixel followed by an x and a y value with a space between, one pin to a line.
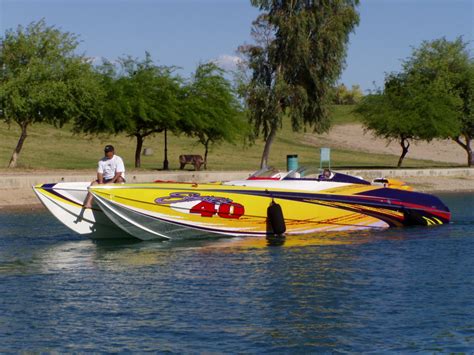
pixel 64 200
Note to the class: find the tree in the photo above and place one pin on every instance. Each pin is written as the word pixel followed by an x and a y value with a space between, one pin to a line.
pixel 211 111
pixel 260 88
pixel 142 100
pixel 43 80
pixel 345 96
pixel 151 100
pixel 431 98
pixel 448 63
pixel 466 131
pixel 408 110
pixel 297 63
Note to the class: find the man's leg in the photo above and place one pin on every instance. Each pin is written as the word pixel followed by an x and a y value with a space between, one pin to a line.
pixel 120 180
pixel 88 200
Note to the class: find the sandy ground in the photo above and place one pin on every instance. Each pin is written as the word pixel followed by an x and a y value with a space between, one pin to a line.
pixel 353 137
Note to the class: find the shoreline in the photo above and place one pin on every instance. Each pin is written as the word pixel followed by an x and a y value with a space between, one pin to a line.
pixel 16 193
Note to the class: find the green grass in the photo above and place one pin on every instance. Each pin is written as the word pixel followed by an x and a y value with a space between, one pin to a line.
pixel 341 114
pixel 47 147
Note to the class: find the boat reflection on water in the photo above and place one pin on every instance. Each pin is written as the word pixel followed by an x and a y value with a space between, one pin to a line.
pixel 316 239
pixel 125 253
pixel 112 255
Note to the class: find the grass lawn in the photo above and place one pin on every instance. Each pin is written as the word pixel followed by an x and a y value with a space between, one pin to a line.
pixel 341 114
pixel 47 147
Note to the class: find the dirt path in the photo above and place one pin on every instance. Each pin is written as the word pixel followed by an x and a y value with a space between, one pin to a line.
pixel 352 137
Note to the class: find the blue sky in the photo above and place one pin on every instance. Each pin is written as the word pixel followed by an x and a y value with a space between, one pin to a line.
pixel 187 32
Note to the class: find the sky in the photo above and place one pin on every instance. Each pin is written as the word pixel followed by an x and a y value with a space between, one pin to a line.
pixel 185 33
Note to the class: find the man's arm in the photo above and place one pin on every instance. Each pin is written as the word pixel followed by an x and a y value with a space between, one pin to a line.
pixel 119 170
pixel 100 173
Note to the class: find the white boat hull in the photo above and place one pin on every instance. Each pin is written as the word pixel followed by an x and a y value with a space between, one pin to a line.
pixel 64 201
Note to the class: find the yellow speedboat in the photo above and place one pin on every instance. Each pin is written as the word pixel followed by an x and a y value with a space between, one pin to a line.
pixel 295 204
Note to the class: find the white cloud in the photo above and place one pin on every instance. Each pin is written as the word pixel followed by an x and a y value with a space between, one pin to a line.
pixel 227 62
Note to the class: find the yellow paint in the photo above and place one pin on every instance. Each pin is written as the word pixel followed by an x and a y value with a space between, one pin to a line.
pixel 398 184
pixel 428 221
pixel 299 217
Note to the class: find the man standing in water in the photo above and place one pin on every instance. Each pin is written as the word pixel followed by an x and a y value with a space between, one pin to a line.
pixel 111 170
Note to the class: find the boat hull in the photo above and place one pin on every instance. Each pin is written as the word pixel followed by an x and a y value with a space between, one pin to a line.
pixel 64 201
pixel 176 210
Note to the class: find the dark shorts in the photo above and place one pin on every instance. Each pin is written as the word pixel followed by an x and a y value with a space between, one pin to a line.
pixel 106 181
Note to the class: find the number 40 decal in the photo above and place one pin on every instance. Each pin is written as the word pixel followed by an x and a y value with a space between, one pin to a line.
pixel 224 210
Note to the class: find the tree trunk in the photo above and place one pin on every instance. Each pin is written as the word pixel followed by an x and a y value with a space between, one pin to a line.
pixel 165 162
pixel 19 146
pixel 467 147
pixel 405 144
pixel 206 146
pixel 266 150
pixel 138 150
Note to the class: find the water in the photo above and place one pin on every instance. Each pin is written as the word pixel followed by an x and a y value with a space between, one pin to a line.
pixel 401 290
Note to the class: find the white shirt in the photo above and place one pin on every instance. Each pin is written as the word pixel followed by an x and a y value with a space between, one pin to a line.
pixel 108 167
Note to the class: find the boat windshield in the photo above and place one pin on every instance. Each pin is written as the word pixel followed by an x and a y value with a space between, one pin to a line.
pixel 313 173
pixel 305 173
pixel 268 173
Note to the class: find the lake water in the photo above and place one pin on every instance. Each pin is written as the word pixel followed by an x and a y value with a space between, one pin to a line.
pixel 399 290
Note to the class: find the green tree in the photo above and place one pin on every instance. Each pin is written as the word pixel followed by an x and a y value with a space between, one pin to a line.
pixel 355 95
pixel 448 63
pixel 43 80
pixel 340 94
pixel 295 70
pixel 259 87
pixel 142 100
pixel 431 98
pixel 211 111
pixel 409 110
pixel 151 95
pixel 345 96
pixel 466 132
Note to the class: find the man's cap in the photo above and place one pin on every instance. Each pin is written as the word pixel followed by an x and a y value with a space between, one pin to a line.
pixel 109 148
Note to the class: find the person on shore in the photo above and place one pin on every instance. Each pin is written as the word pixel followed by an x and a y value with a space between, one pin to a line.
pixel 111 170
